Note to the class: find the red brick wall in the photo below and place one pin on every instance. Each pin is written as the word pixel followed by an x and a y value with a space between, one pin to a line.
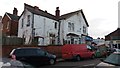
pixel 5 22
pixel 6 49
pixel 13 26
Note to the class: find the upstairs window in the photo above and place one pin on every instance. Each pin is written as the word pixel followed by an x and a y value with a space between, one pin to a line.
pixel 55 25
pixel 84 29
pixel 8 25
pixel 22 23
pixel 70 26
pixel 28 20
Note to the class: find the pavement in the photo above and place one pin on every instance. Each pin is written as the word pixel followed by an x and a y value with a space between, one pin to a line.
pixel 60 60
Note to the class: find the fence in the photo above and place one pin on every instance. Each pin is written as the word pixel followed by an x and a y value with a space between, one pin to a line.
pixel 11 40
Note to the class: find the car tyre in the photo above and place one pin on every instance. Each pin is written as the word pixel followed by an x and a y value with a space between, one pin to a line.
pixel 51 61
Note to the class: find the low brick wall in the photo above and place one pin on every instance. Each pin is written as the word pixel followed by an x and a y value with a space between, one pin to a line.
pixel 6 49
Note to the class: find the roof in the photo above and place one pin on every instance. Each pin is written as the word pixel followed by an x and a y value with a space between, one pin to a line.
pixel 72 34
pixel 13 17
pixel 115 33
pixel 39 12
pixel 73 13
pixel 48 15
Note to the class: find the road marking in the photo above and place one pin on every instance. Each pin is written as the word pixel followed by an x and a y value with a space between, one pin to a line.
pixel 89 65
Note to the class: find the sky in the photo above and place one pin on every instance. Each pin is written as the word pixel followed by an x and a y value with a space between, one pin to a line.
pixel 102 15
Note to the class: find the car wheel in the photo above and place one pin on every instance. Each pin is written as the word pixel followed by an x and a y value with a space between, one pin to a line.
pixel 51 61
pixel 78 58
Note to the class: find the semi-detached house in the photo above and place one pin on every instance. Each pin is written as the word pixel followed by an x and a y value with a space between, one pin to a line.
pixel 45 29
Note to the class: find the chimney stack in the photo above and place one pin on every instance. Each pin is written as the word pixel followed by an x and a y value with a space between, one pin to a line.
pixel 57 12
pixel 15 11
pixel 36 7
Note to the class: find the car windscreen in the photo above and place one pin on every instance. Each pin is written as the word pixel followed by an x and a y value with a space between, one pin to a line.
pixel 113 59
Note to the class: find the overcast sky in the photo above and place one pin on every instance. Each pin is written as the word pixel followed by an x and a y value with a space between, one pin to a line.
pixel 102 15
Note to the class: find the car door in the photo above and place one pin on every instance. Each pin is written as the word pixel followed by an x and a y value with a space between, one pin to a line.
pixel 88 53
pixel 32 57
pixel 20 55
pixel 43 58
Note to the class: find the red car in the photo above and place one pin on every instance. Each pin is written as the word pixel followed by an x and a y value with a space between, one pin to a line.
pixel 77 51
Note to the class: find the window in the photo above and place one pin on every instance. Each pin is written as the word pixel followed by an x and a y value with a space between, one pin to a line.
pixel 30 52
pixel 55 25
pixel 22 23
pixel 84 29
pixel 40 52
pixel 70 26
pixel 28 20
pixel 8 25
pixel 19 52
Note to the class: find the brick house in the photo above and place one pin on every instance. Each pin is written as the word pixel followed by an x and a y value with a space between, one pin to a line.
pixel 10 23
pixel 113 39
pixel 0 23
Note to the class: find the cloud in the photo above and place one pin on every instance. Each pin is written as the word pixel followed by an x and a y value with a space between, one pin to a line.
pixel 100 27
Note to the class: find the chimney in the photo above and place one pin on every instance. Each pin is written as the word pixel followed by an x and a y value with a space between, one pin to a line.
pixel 15 11
pixel 46 11
pixel 57 12
pixel 36 7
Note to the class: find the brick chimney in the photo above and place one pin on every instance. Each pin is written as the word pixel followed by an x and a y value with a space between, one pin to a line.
pixel 15 11
pixel 57 12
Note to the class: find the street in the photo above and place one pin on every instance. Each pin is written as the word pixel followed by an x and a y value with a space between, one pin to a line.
pixel 88 63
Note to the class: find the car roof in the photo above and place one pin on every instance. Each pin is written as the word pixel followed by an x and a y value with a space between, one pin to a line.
pixel 116 53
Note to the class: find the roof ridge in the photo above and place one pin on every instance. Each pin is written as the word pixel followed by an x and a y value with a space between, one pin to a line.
pixel 72 12
pixel 39 11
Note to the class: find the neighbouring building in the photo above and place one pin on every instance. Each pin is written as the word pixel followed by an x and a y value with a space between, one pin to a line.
pixel 0 23
pixel 10 23
pixel 44 28
pixel 113 39
pixel 99 41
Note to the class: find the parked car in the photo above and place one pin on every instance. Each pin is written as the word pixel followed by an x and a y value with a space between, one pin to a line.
pixel 110 51
pixel 10 63
pixel 112 61
pixel 101 51
pixel 77 51
pixel 34 56
pixel 117 50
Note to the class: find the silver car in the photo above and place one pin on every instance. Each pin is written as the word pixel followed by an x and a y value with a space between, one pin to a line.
pixel 11 63
pixel 112 61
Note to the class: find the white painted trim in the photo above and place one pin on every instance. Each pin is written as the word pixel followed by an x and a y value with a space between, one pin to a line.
pixel 8 16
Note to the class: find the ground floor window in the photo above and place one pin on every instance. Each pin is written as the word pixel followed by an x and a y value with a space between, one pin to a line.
pixel 73 40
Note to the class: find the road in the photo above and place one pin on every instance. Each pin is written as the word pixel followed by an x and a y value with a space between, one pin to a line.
pixel 89 63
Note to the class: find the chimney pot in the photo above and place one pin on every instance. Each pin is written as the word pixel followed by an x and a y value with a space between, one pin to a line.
pixel 46 11
pixel 15 11
pixel 57 12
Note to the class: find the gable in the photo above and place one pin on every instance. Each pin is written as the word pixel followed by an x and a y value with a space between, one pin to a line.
pixel 68 15
pixel 13 17
pixel 5 18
